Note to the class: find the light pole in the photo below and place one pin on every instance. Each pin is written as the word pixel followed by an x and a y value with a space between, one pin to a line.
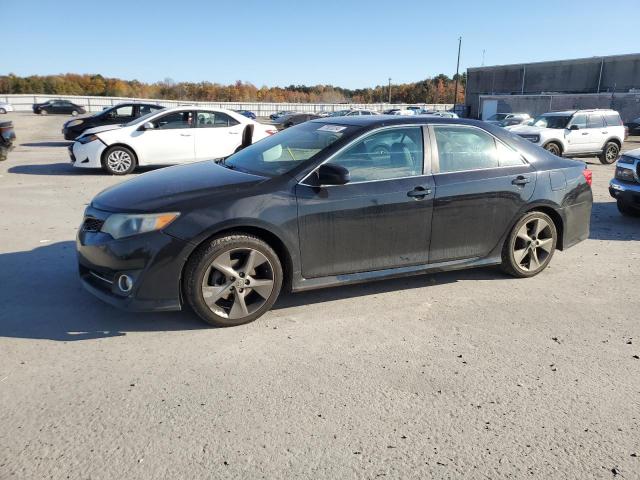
pixel 455 94
pixel 389 90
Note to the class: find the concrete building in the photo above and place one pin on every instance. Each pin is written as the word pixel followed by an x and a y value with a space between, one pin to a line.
pixel 597 82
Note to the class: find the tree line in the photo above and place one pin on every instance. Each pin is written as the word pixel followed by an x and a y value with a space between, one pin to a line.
pixel 439 89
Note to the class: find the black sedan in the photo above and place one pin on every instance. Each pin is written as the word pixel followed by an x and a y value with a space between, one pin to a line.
pixel 116 115
pixel 290 120
pixel 321 204
pixel 64 107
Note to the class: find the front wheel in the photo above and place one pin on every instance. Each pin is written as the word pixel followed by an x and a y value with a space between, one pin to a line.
pixel 2 111
pixel 609 153
pixel 232 280
pixel 74 113
pixel 118 160
pixel 553 148
pixel 530 246
pixel 43 112
pixel 627 210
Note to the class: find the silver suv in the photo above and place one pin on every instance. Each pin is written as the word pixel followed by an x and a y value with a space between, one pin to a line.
pixel 577 133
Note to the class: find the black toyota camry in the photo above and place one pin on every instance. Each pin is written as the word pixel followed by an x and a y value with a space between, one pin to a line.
pixel 331 202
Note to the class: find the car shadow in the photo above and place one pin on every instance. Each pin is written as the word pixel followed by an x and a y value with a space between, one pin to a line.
pixel 46 144
pixel 67 169
pixel 607 223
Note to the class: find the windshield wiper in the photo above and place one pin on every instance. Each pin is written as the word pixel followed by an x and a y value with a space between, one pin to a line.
pixel 223 161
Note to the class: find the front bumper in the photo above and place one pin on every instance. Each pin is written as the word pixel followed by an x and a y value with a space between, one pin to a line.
pixel 88 155
pixel 627 192
pixel 152 260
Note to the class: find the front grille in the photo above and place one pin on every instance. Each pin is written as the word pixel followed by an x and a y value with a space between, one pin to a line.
pixel 91 224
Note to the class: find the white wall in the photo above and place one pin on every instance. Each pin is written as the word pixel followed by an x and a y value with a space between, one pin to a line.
pixel 23 102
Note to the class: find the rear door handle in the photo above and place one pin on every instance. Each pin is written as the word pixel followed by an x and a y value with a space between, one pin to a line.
pixel 419 192
pixel 234 133
pixel 585 133
pixel 185 134
pixel 521 180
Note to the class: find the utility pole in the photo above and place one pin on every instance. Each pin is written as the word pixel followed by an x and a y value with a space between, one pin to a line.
pixel 483 51
pixel 455 98
pixel 389 89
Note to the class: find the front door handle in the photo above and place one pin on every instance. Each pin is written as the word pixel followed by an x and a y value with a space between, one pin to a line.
pixel 521 180
pixel 185 134
pixel 419 192
pixel 234 133
pixel 585 133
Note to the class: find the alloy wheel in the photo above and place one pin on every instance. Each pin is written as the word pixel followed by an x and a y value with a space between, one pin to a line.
pixel 552 148
pixel 237 283
pixel 119 161
pixel 533 245
pixel 611 153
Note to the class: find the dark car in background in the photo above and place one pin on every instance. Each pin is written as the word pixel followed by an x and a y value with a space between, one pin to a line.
pixel 116 115
pixel 290 120
pixel 317 205
pixel 634 126
pixel 247 113
pixel 625 185
pixel 64 107
pixel 275 116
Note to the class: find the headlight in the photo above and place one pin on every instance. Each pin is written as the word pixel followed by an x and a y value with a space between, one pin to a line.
pixel 120 225
pixel 625 174
pixel 87 138
pixel 73 123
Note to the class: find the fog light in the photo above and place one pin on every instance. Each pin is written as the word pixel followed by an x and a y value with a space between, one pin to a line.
pixel 125 283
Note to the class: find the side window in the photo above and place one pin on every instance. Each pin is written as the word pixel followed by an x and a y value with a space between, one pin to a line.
pixel 146 109
pixel 388 154
pixel 174 120
pixel 215 120
pixel 125 111
pixel 595 121
pixel 508 157
pixel 580 120
pixel 462 148
pixel 613 120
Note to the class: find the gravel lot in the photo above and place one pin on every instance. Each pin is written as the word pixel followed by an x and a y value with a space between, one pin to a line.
pixel 460 375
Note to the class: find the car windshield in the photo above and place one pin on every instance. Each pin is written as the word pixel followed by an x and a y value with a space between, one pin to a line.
pixel 551 121
pixel 497 116
pixel 288 149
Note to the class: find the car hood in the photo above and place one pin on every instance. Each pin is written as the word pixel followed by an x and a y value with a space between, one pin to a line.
pixel 103 128
pixel 169 188
pixel 633 153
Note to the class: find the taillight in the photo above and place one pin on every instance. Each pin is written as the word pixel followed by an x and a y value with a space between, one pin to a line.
pixel 588 175
pixel 272 132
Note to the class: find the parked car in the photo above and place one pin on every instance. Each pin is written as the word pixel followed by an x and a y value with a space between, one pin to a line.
pixel 58 106
pixel 275 116
pixel 416 110
pixel 311 207
pixel 247 114
pixel 166 137
pixel 5 107
pixel 634 126
pixel 577 133
pixel 515 120
pixel 439 113
pixel 7 138
pixel 625 185
pixel 399 111
pixel 506 118
pixel 287 121
pixel 116 115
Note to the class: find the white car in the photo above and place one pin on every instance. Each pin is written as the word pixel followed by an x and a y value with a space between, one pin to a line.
pixel 508 119
pixel 5 107
pixel 577 133
pixel 166 137
pixel 439 113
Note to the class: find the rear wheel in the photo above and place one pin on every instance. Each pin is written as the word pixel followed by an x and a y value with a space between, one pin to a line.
pixel 118 160
pixel 2 111
pixel 609 153
pixel 627 210
pixel 554 148
pixel 530 246
pixel 74 113
pixel 232 280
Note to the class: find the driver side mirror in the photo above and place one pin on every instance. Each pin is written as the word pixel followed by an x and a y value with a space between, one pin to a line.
pixel 147 126
pixel 329 174
pixel 574 127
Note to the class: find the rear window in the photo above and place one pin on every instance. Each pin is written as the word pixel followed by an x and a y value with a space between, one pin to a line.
pixel 612 120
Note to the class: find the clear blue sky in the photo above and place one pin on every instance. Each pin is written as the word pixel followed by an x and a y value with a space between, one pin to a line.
pixel 349 43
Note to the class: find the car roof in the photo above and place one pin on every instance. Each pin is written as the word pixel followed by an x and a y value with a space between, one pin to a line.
pixel 385 120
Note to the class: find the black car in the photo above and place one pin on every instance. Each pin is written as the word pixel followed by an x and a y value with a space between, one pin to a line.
pixel 634 126
pixel 320 205
pixel 290 120
pixel 7 137
pixel 58 106
pixel 116 115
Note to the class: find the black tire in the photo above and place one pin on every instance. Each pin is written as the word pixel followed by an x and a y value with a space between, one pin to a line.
pixel 553 147
pixel 609 153
pixel 627 210
pixel 111 166
pixel 199 272
pixel 515 244
pixel 2 111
